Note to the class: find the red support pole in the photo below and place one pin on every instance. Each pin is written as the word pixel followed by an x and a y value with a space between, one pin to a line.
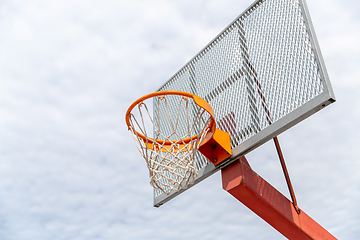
pixel 286 174
pixel 264 200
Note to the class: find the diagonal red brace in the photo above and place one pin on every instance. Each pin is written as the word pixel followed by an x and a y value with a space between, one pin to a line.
pixel 268 203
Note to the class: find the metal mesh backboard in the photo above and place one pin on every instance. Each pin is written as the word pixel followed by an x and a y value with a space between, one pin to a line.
pixel 261 75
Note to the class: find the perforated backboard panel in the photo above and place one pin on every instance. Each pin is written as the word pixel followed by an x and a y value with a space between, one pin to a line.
pixel 261 75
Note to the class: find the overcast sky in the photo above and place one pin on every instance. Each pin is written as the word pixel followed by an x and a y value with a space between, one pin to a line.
pixel 69 168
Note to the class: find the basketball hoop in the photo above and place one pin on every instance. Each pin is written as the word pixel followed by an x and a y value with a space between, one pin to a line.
pixel 169 152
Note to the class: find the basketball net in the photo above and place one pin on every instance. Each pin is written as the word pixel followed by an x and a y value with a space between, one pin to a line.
pixel 170 162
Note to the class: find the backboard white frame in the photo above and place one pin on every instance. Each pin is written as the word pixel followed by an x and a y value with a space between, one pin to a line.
pixel 322 100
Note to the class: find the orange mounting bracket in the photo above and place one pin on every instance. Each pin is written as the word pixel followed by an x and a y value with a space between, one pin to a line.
pixel 217 148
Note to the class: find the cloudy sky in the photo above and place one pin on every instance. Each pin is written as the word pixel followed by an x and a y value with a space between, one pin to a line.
pixel 68 166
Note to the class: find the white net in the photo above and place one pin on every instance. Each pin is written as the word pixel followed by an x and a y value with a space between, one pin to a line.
pixel 170 152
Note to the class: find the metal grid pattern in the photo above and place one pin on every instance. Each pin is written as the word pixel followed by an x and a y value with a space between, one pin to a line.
pixel 258 70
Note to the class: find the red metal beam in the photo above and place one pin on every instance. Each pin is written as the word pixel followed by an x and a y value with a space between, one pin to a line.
pixel 268 203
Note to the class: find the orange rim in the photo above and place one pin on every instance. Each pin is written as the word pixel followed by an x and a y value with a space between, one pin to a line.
pixel 198 100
